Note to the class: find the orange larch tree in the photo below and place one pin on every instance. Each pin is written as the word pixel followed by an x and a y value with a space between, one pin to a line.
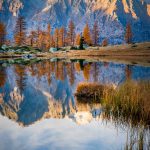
pixel 61 42
pixel 31 38
pixel 38 32
pixel 42 41
pixel 20 31
pixel 87 35
pixel 56 37
pixel 48 37
pixel 95 33
pixel 2 33
pixel 71 33
pixel 78 37
pixel 52 41
pixel 104 42
pixel 128 34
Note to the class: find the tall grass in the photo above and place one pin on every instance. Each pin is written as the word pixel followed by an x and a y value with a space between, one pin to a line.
pixel 129 102
pixel 137 139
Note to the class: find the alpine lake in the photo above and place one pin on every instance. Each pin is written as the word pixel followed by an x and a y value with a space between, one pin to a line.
pixel 39 109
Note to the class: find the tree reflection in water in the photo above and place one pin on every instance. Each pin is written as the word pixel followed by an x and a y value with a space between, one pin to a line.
pixel 46 90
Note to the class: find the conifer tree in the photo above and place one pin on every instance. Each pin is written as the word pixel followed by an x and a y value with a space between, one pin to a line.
pixel 38 37
pixel 42 41
pixel 81 43
pixel 86 35
pixel 2 33
pixel 48 37
pixel 31 38
pixel 78 39
pixel 20 31
pixel 52 41
pixel 2 76
pixel 61 37
pixel 56 37
pixel 105 42
pixel 128 34
pixel 95 33
pixel 71 33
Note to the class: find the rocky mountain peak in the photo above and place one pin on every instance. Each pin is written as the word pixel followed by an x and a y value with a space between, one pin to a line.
pixel 112 15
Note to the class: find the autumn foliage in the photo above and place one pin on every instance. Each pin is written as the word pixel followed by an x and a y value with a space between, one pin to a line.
pixel 77 41
pixel 128 34
pixel 71 33
pixel 87 35
pixel 104 42
pixel 20 31
pixel 48 37
pixel 95 33
pixel 2 33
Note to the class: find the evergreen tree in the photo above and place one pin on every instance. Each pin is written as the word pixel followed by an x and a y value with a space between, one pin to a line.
pixel 20 31
pixel 95 33
pixel 81 43
pixel 86 35
pixel 2 33
pixel 128 34
pixel 71 33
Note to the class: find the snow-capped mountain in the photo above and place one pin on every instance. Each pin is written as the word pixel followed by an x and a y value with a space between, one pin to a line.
pixel 112 15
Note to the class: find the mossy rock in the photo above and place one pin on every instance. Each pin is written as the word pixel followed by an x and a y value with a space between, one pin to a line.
pixel 4 65
pixel 11 61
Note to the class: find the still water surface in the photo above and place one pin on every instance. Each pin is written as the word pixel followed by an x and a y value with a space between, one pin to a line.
pixel 38 109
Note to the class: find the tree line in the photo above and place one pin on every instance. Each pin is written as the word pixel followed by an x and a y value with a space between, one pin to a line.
pixel 60 37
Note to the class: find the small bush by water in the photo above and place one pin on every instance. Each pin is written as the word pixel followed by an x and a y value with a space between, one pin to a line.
pixel 90 92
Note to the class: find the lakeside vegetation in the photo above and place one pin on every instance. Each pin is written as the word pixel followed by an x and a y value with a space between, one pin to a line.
pixel 90 92
pixel 65 42
pixel 134 54
pixel 128 102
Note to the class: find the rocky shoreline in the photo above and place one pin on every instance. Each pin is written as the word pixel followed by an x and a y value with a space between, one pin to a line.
pixel 131 54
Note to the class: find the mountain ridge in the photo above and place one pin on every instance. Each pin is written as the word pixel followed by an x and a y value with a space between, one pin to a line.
pixel 112 15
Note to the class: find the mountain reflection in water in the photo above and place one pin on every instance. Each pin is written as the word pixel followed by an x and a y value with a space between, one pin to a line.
pixel 46 90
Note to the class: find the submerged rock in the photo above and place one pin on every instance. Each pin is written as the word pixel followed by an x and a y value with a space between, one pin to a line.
pixel 4 65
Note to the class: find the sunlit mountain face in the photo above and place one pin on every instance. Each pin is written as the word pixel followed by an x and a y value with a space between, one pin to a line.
pixel 112 16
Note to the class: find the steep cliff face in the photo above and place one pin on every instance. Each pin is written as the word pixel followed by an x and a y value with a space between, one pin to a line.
pixel 112 15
